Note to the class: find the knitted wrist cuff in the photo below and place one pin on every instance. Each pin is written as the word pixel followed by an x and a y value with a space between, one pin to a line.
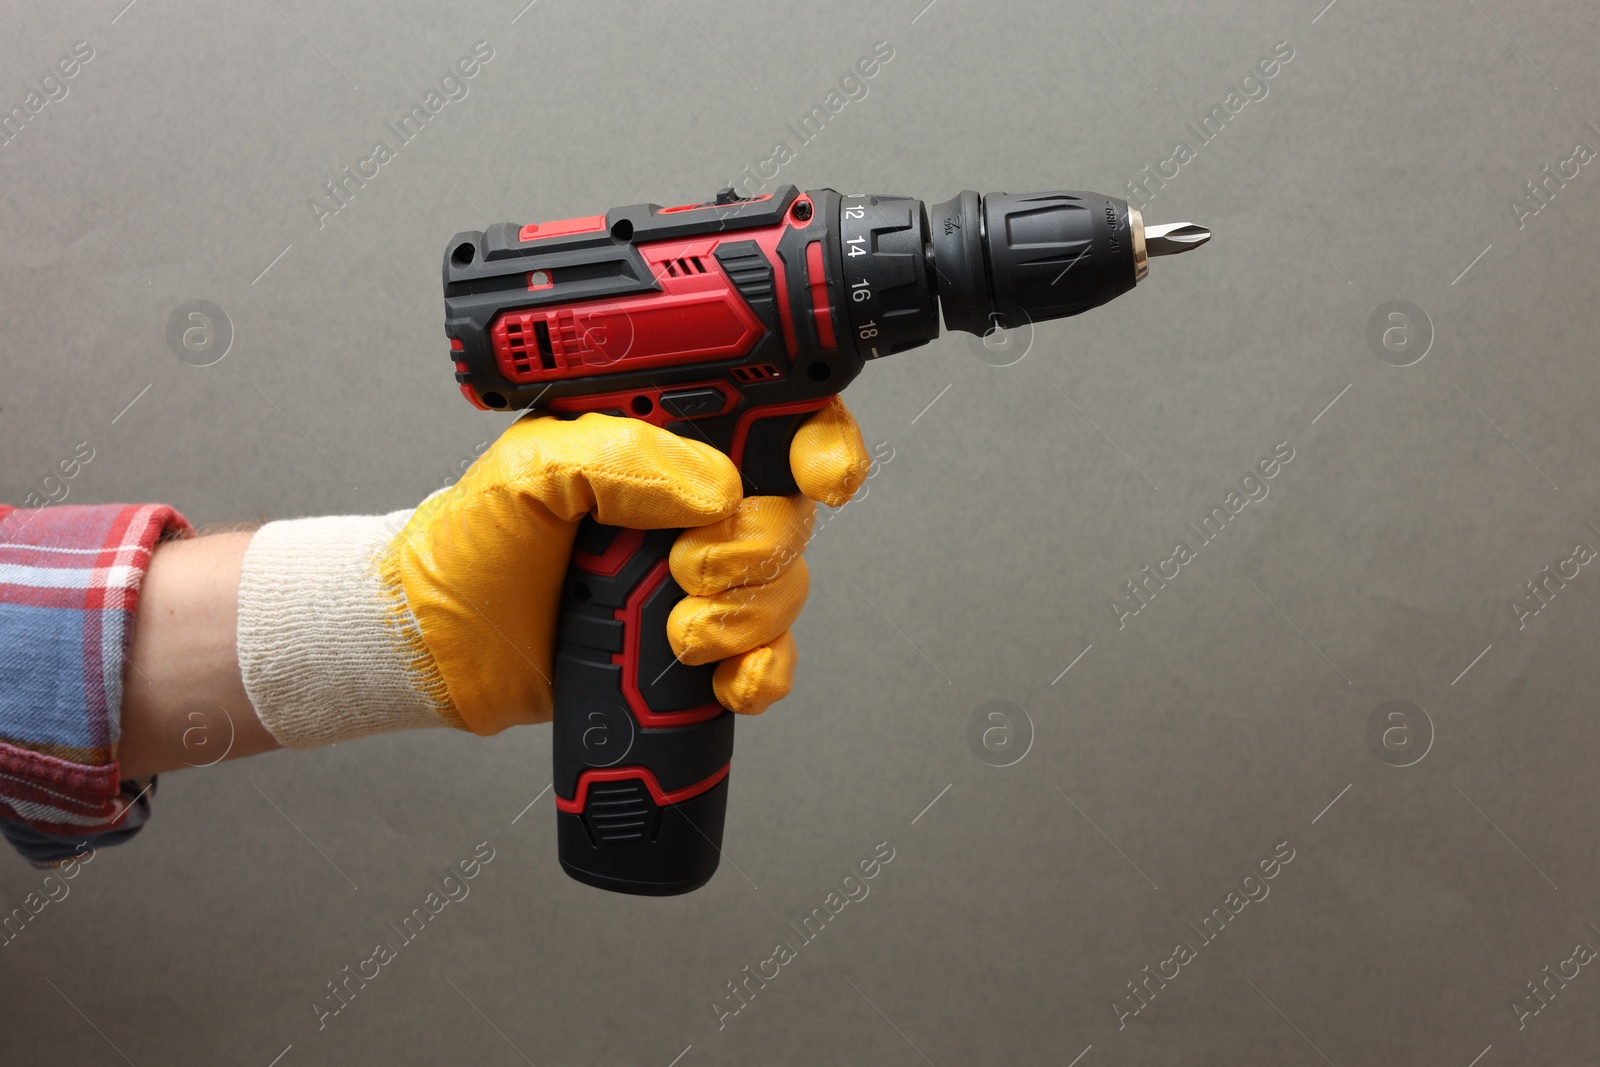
pixel 328 651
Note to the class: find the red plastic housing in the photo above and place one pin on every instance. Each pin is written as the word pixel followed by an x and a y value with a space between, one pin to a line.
pixel 697 316
pixel 533 231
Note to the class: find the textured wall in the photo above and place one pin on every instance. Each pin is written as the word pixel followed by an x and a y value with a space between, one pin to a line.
pixel 1236 720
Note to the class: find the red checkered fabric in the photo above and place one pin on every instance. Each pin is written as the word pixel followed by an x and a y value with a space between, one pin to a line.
pixel 69 585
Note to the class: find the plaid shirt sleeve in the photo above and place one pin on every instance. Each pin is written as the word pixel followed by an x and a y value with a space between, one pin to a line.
pixel 69 585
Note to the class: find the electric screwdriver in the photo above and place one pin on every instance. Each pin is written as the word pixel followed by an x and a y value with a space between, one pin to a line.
pixel 730 322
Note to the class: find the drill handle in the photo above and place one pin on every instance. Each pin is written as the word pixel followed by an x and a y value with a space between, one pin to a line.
pixel 642 749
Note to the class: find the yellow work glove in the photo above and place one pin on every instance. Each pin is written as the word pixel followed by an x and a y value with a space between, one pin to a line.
pixel 480 566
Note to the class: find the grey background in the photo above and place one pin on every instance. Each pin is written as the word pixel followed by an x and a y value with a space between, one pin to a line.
pixel 1221 721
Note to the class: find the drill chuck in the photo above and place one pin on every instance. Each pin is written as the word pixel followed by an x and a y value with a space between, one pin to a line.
pixel 997 261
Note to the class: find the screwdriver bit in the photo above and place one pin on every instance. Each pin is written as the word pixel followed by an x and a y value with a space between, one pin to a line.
pixel 1170 238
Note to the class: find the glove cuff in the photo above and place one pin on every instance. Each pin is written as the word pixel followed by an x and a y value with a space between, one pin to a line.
pixel 328 651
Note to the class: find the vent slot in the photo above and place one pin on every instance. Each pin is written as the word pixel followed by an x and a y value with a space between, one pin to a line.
pixel 683 266
pixel 518 343
pixel 759 372
pixel 541 334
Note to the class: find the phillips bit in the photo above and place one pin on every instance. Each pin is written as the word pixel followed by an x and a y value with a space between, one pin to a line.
pixel 1170 238
pixel 1165 239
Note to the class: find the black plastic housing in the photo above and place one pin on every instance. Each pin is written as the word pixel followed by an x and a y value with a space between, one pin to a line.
pixel 889 287
pixel 1007 259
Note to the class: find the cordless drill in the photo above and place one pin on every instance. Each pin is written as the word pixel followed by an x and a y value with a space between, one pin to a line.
pixel 728 322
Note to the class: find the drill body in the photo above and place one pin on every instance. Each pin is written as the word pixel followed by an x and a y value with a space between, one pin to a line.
pixel 728 322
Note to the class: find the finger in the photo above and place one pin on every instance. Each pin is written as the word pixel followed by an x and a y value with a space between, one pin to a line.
pixel 752 682
pixel 626 472
pixel 828 457
pixel 703 629
pixel 755 544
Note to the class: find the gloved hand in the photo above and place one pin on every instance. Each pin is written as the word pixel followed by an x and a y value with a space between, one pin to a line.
pixel 467 592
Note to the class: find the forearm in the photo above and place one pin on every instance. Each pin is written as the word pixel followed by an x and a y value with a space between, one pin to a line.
pixel 184 702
